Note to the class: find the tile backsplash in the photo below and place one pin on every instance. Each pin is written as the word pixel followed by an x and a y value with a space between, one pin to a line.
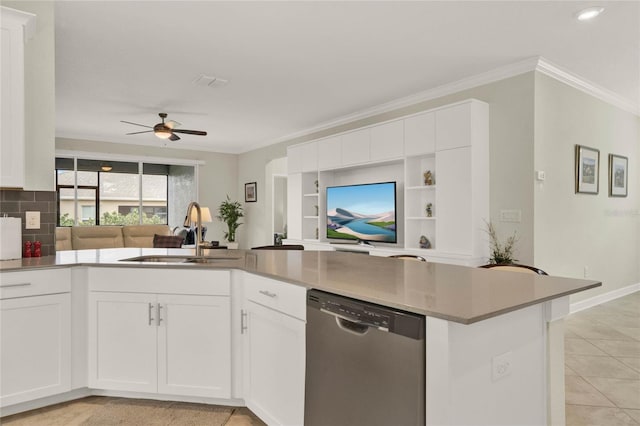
pixel 16 203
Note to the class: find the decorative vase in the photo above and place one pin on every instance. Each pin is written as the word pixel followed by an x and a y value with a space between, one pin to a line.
pixel 232 245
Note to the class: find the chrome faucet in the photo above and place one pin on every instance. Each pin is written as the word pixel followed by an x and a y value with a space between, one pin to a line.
pixel 188 223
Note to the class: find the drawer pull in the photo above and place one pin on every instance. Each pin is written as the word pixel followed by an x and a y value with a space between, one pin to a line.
pixel 150 310
pixel 16 285
pixel 243 319
pixel 267 293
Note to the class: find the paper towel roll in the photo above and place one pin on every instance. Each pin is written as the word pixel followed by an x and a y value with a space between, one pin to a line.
pixel 10 238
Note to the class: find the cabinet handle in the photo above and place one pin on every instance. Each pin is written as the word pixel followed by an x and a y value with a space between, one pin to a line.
pixel 243 318
pixel 267 293
pixel 150 310
pixel 160 307
pixel 16 285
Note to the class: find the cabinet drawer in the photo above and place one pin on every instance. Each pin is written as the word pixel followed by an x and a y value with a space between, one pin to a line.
pixel 149 280
pixel 284 297
pixel 34 283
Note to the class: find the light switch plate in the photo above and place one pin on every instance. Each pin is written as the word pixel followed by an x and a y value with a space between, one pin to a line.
pixel 32 220
pixel 511 216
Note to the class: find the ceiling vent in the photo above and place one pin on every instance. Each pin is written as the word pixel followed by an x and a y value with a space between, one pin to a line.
pixel 209 81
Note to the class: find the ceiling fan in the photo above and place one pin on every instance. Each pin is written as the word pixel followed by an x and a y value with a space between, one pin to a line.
pixel 166 130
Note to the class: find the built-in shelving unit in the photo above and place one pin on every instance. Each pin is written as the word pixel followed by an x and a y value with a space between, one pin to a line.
pixel 450 142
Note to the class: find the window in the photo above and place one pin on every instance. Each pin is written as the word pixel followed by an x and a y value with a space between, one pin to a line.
pixel 88 194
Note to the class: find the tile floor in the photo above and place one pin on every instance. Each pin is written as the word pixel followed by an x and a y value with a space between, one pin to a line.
pixel 602 364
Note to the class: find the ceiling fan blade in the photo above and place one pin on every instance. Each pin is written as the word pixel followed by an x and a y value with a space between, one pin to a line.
pixel 191 132
pixel 174 137
pixel 172 124
pixel 135 133
pixel 136 124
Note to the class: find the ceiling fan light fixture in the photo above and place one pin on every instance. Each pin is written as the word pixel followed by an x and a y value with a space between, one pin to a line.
pixel 589 13
pixel 163 133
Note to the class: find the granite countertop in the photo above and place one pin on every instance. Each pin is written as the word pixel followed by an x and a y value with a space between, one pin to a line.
pixel 455 293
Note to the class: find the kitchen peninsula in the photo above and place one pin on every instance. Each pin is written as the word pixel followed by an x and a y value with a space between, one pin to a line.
pixel 473 318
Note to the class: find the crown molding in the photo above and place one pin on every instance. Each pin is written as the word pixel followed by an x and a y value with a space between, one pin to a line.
pixel 537 63
pixel 552 70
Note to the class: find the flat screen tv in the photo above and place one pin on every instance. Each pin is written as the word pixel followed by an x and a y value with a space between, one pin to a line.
pixel 362 212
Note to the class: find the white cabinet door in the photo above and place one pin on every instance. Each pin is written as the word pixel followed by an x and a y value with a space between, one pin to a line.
pixel 274 365
pixel 453 204
pixel 35 347
pixel 122 341
pixel 453 127
pixel 15 25
pixel 355 147
pixel 387 141
pixel 309 157
pixel 330 153
pixel 194 345
pixel 294 206
pixel 294 159
pixel 420 134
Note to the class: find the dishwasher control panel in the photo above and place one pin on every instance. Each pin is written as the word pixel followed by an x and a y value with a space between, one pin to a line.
pixel 355 312
pixel 368 314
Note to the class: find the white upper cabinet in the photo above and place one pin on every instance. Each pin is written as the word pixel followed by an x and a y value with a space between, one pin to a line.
pixel 453 127
pixel 387 141
pixel 17 26
pixel 420 134
pixel 356 146
pixel 310 157
pixel 302 158
pixel 330 153
pixel 294 159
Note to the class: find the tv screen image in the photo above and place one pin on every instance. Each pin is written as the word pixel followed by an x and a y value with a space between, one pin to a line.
pixel 362 212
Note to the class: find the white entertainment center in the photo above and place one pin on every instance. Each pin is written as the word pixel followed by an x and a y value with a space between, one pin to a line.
pixel 450 141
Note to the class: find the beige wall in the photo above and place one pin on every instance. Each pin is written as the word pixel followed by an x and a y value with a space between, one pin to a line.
pixel 216 177
pixel 511 158
pixel 574 231
pixel 40 104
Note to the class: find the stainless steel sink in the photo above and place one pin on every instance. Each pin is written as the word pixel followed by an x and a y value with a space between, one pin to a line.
pixel 179 259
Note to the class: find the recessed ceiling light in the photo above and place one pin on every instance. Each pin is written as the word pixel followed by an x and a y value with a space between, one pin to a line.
pixel 589 13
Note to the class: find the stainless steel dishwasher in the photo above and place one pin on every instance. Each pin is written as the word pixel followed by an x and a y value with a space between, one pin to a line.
pixel 365 364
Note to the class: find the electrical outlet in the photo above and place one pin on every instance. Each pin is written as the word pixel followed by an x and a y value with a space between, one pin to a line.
pixel 32 220
pixel 501 366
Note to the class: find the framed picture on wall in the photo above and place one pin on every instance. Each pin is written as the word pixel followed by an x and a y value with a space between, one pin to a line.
pixel 250 192
pixel 618 175
pixel 587 170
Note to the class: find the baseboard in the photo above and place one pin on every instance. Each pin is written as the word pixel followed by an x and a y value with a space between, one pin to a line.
pixel 44 402
pixel 602 298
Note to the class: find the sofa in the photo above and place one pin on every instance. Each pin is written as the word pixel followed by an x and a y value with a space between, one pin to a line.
pixel 97 237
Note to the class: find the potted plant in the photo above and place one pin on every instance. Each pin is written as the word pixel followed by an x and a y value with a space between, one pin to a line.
pixel 501 254
pixel 229 212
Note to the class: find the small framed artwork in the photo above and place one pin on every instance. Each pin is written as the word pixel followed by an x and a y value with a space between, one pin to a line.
pixel 587 170
pixel 250 192
pixel 618 175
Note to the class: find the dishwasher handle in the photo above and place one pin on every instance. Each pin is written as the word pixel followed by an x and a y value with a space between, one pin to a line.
pixel 353 325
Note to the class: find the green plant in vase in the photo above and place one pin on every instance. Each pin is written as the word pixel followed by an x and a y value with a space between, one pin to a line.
pixel 501 253
pixel 230 212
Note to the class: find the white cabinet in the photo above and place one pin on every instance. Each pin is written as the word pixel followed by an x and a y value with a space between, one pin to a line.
pixel 330 153
pixel 420 134
pixel 453 201
pixel 294 205
pixel 169 343
pixel 274 350
pixel 355 147
pixel 302 158
pixel 35 335
pixel 453 126
pixel 387 141
pixel 16 28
